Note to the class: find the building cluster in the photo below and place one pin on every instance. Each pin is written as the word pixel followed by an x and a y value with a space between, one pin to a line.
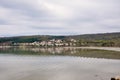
pixel 51 43
pixel 9 43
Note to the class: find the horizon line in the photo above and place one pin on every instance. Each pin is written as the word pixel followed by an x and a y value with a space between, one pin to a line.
pixel 57 35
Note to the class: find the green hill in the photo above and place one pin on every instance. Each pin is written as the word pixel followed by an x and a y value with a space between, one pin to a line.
pixel 103 36
pixel 104 39
pixel 23 39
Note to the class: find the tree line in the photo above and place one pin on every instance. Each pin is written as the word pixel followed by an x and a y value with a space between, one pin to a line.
pixel 105 39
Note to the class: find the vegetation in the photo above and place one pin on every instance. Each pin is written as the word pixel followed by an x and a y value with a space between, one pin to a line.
pixel 106 39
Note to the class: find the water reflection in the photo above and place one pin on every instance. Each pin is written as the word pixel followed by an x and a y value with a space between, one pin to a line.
pixel 64 51
pixel 21 63
pixel 13 67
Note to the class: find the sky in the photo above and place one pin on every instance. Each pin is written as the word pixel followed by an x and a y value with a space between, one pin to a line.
pixel 58 17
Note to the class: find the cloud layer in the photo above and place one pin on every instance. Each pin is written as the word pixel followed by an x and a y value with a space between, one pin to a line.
pixel 58 17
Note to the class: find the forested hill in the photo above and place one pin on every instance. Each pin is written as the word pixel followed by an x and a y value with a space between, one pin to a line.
pixel 103 36
pixel 21 39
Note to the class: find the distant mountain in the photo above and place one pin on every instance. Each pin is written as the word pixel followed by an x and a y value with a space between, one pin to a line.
pixel 21 39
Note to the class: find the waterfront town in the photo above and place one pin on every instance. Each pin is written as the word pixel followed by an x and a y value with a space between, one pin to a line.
pixel 49 43
pixel 62 43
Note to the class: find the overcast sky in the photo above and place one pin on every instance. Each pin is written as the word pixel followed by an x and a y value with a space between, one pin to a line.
pixel 58 17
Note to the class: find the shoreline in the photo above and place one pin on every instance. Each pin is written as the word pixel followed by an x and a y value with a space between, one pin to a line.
pixel 99 48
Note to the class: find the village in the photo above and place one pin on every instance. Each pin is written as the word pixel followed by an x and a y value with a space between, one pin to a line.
pixel 49 43
pixel 60 43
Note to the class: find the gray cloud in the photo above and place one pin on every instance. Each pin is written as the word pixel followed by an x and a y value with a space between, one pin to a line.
pixel 64 17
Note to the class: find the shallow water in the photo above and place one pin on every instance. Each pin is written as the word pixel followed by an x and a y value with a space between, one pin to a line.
pixel 57 68
pixel 58 65
pixel 62 51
